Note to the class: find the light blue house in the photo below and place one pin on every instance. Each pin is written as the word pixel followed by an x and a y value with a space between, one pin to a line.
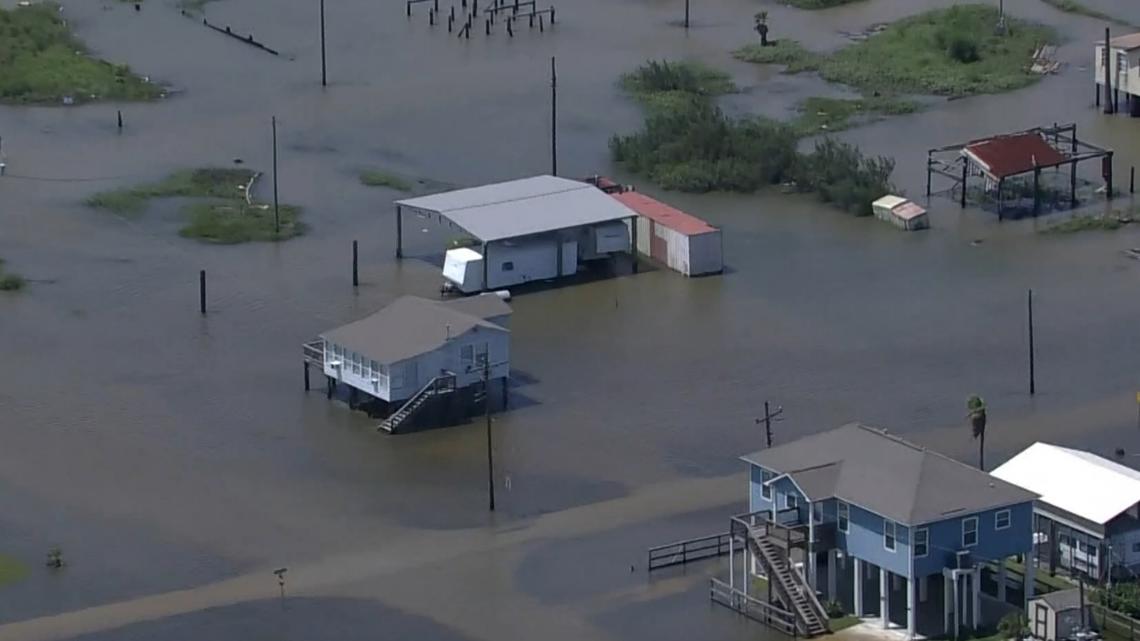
pixel 896 522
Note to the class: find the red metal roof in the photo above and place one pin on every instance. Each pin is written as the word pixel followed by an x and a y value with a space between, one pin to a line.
pixel 1004 156
pixel 663 214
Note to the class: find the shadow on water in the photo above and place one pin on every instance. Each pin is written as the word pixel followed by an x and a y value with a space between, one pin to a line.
pixel 293 619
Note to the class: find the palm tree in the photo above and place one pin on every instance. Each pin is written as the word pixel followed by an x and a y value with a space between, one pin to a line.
pixel 977 416
pixel 761 27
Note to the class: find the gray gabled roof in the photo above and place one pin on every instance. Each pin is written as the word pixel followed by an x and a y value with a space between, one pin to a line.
pixel 1062 600
pixel 522 207
pixel 887 475
pixel 411 326
pixel 484 306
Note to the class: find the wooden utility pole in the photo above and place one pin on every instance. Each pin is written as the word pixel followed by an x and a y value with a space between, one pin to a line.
pixel 553 119
pixel 686 14
pixel 324 75
pixel 1032 378
pixel 768 417
pixel 276 212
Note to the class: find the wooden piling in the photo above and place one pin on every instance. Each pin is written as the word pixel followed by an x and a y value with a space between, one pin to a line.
pixel 120 115
pixel 552 14
pixel 306 364
pixel 330 386
pixel 1108 177
pixel 541 28
pixel 965 169
pixel 1108 64
pixel 532 19
pixel 355 271
pixel 453 12
pixel 1132 180
pixel 487 26
pixel 409 8
pixel 450 22
pixel 510 29
pixel 202 291
pixel 431 18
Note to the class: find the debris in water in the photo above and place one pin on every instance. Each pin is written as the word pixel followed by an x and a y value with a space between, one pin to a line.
pixel 1133 253
pixel 976 242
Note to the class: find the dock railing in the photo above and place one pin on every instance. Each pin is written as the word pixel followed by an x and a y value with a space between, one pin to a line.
pixel 681 552
pixel 753 608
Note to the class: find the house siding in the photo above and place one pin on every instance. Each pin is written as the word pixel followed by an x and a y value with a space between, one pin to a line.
pixel 756 500
pixel 946 539
pixel 864 539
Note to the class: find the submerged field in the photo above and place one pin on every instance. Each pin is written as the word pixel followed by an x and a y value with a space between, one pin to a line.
pixel 223 210
pixel 42 63
pixel 947 52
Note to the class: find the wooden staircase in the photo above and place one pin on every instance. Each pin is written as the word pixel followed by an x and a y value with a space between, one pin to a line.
pixel 436 387
pixel 790 587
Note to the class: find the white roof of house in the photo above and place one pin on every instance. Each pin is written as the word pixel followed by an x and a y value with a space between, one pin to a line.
pixel 522 207
pixel 1081 483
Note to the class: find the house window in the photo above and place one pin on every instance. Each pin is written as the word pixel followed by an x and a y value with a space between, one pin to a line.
pixel 921 542
pixel 1136 547
pixel 765 489
pixel 790 502
pixel 970 532
pixel 481 355
pixel 843 515
pixel 1122 63
pixel 509 266
pixel 889 535
pixel 1001 520
pixel 817 512
pixel 467 356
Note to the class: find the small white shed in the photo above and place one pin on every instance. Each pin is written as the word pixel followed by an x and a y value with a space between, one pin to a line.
pixel 394 353
pixel 1057 615
pixel 901 213
pixel 681 241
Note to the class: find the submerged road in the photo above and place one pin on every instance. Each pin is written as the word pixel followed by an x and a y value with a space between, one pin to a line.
pixel 437 558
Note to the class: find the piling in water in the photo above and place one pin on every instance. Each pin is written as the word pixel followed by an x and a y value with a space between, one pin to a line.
pixel 120 115
pixel 355 262
pixel 202 291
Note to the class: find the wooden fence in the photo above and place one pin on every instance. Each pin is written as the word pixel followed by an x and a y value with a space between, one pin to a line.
pixel 703 547
pixel 753 608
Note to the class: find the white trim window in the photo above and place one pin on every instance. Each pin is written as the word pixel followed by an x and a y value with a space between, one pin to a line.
pixel 921 542
pixel 790 501
pixel 889 540
pixel 970 532
pixel 1001 520
pixel 816 512
pixel 765 489
pixel 843 516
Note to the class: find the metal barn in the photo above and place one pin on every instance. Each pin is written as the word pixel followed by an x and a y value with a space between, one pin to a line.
pixel 681 241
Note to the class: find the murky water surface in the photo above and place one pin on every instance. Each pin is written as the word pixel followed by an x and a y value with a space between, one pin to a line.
pixel 166 450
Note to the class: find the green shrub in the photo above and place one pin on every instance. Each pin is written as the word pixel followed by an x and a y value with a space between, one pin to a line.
pixel 839 174
pixel 11 282
pixel 834 609
pixel 685 76
pixel 1121 597
pixel 1013 626
pixel 782 52
pixel 963 48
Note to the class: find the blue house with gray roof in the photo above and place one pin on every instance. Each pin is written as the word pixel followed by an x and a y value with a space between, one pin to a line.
pixel 901 525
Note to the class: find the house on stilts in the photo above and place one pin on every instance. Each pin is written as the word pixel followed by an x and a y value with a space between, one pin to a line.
pixel 418 362
pixel 888 529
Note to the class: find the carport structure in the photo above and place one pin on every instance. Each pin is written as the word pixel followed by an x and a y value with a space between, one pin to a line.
pixel 1000 158
pixel 502 212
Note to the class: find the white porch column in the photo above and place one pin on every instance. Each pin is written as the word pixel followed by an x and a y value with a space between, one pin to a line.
pixel 732 561
pixel 810 565
pixel 947 604
pixel 831 561
pixel 885 597
pixel 910 611
pixel 1001 580
pixel 976 585
pixel 858 586
pixel 957 605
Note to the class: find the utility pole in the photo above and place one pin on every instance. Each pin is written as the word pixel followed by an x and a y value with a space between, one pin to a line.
pixel 686 14
pixel 276 213
pixel 324 76
pixel 1032 378
pixel 768 417
pixel 553 119
pixel 487 415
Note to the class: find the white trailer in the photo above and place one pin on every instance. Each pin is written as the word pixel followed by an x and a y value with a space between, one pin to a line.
pixel 511 263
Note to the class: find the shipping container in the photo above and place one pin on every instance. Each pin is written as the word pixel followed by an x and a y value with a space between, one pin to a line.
pixel 670 236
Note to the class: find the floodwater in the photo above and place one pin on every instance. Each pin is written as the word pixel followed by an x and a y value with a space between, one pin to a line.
pixel 163 450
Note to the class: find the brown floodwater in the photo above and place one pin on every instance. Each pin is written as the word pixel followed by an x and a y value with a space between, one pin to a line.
pixel 164 450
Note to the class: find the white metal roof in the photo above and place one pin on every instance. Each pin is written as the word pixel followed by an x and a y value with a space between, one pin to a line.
pixel 464 254
pixel 1082 483
pixel 890 201
pixel 522 207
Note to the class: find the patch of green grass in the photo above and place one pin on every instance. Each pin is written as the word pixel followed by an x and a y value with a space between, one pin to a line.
pixel 821 115
pixel 42 63
pixel 229 223
pixel 1089 223
pixel 378 178
pixel 842 623
pixel 789 53
pixel 192 183
pixel 812 5
pixel 11 570
pixel 9 282
pixel 1076 8
pixel 946 52
pixel 676 77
